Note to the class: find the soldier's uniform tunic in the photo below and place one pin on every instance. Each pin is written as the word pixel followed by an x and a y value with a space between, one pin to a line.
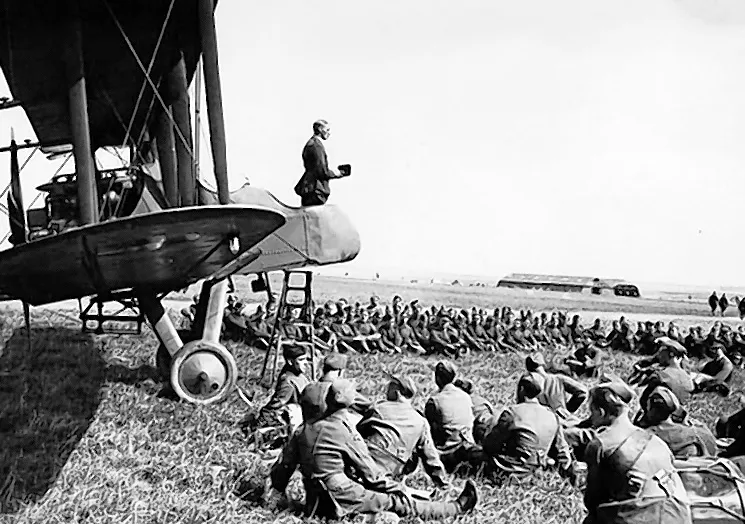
pixel 325 451
pixel 398 437
pixel 631 479
pixel 450 415
pixel 289 387
pixel 523 438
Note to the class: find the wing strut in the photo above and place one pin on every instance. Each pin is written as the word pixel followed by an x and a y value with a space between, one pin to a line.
pixel 79 123
pixel 180 106
pixel 214 97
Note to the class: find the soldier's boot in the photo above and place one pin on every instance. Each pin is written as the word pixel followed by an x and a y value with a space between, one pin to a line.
pixel 468 498
pixel 427 510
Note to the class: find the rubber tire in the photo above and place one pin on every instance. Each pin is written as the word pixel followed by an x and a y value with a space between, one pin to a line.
pixel 163 358
pixel 231 368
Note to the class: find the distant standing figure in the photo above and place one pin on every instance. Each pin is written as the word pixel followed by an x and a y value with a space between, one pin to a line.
pixel 313 187
pixel 741 308
pixel 723 303
pixel 713 303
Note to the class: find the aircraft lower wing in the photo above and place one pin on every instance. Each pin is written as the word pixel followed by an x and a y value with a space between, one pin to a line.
pixel 159 252
pixel 311 236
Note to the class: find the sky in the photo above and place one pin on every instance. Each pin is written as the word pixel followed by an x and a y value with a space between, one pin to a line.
pixel 583 137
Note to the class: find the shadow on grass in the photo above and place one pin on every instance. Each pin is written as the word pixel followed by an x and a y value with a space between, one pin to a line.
pixel 48 397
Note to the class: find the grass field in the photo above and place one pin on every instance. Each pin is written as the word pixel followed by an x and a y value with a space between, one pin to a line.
pixel 85 438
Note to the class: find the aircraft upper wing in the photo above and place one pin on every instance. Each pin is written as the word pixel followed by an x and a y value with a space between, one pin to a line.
pixel 35 34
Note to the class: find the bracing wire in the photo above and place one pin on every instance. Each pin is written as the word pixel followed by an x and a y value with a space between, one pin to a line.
pixel 148 79
pixel 149 67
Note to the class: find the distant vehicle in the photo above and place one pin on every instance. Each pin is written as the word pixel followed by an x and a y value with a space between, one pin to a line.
pixel 626 290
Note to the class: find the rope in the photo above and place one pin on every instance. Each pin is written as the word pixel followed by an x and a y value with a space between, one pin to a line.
pixel 147 77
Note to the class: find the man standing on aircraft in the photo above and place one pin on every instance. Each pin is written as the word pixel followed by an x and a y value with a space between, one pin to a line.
pixel 313 187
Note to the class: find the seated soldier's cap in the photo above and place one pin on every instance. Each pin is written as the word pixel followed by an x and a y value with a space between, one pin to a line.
pixel 408 387
pixel 535 360
pixel 532 384
pixel 342 392
pixel 290 352
pixel 446 369
pixel 664 399
pixel 717 345
pixel 335 361
pixel 313 401
pixel 673 346
pixel 464 384
pixel 624 392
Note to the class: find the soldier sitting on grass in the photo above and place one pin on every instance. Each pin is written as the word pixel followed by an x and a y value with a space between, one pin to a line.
pixel 339 475
pixel 556 388
pixel 290 385
pixel 398 437
pixel 484 416
pixel 683 440
pixel 525 436
pixel 714 375
pixel 450 415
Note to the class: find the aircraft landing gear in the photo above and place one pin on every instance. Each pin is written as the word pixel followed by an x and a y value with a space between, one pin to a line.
pixel 201 371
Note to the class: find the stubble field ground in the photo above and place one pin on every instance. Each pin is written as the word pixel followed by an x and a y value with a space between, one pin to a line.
pixel 85 438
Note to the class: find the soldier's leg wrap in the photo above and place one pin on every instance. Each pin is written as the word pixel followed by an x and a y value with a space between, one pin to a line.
pixel 406 506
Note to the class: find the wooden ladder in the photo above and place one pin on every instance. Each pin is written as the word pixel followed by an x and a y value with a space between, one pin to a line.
pixel 277 342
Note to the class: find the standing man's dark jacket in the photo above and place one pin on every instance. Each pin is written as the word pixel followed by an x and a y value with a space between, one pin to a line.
pixel 314 184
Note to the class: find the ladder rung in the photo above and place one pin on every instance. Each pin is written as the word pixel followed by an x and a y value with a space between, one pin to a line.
pixel 296 343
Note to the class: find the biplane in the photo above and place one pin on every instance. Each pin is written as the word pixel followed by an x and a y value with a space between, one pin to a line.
pixel 94 74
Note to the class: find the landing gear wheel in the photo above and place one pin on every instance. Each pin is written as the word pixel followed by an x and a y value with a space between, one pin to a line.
pixel 203 372
pixel 163 358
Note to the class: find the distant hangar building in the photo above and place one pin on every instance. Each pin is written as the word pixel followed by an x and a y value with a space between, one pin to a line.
pixel 566 284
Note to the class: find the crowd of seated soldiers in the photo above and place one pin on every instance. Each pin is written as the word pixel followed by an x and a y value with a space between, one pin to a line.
pixel 397 327
pixel 461 430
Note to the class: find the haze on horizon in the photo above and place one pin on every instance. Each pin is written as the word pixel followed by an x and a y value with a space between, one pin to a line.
pixel 584 137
